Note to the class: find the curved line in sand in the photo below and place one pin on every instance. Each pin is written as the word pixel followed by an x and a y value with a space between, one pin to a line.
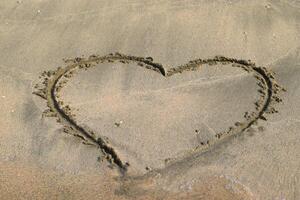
pixel 265 80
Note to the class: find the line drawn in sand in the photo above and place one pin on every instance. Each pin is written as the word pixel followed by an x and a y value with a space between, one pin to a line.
pixel 53 81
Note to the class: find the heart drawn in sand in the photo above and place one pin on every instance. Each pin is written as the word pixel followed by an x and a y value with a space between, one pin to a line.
pixel 54 81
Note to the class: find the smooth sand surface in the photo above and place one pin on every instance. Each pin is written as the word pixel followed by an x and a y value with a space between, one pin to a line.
pixel 161 118
pixel 158 124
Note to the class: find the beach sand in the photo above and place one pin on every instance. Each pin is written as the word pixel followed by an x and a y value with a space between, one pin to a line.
pixel 201 102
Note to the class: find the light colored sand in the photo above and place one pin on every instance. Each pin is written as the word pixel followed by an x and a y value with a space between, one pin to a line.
pixel 38 161
pixel 160 116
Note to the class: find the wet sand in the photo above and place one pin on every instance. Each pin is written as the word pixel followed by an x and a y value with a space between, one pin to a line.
pixel 167 118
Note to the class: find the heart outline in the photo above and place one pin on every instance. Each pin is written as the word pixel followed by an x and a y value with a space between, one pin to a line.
pixel 51 86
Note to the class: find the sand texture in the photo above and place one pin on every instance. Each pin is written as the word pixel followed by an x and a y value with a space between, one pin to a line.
pixel 150 99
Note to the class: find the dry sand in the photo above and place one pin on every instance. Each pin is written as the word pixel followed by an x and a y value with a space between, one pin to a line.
pixel 149 128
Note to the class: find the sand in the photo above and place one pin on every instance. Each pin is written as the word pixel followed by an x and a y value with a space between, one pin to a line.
pixel 199 102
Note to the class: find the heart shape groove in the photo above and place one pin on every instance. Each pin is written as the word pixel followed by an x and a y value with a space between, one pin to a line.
pixel 53 81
